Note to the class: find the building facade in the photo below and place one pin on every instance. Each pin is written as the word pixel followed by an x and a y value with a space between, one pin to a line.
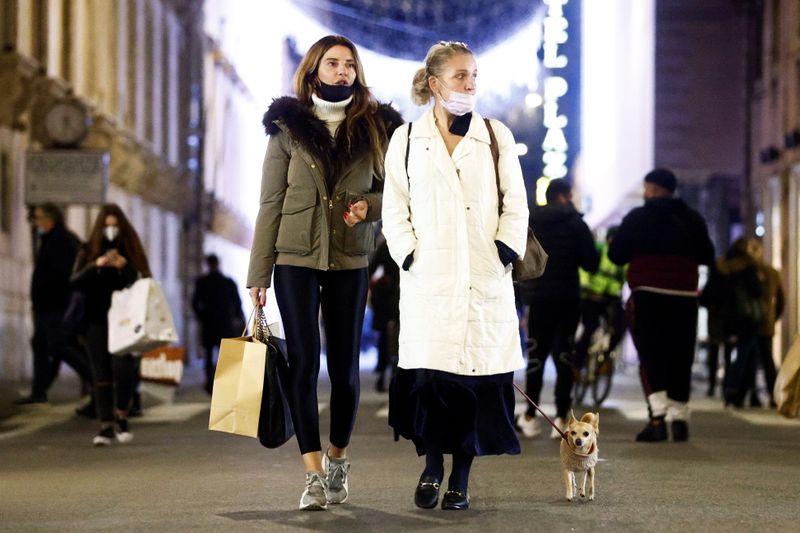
pixel 775 147
pixel 137 65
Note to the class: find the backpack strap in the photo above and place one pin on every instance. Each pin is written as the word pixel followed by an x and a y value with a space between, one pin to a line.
pixel 408 148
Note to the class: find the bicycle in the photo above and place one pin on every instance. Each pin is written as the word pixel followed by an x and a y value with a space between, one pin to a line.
pixel 597 372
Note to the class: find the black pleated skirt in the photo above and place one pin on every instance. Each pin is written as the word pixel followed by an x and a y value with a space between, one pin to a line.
pixel 468 414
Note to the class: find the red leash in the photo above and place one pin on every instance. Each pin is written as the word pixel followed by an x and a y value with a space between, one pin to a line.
pixel 563 435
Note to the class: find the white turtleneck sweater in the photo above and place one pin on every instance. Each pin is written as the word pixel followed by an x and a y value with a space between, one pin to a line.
pixel 332 113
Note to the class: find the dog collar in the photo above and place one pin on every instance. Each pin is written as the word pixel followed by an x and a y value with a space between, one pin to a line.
pixel 591 451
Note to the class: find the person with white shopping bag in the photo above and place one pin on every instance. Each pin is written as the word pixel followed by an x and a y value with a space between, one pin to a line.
pixel 113 259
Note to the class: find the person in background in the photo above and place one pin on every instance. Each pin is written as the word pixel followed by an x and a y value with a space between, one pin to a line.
pixel 774 302
pixel 664 241
pixel 50 297
pixel 114 259
pixel 385 301
pixel 459 343
pixel 742 294
pixel 720 337
pixel 554 301
pixel 601 297
pixel 218 308
pixel 321 192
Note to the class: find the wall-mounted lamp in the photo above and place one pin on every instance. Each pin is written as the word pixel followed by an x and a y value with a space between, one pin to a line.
pixel 792 139
pixel 769 155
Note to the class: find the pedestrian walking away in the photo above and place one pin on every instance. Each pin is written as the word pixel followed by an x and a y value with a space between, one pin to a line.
pixel 385 302
pixel 774 303
pixel 218 308
pixel 664 241
pixel 554 300
pixel 459 343
pixel 321 192
pixel 114 259
pixel 52 343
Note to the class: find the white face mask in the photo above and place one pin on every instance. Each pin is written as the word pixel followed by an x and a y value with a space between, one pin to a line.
pixel 111 232
pixel 459 103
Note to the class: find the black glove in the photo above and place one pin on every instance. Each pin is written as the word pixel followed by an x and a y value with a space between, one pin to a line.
pixel 407 263
pixel 506 254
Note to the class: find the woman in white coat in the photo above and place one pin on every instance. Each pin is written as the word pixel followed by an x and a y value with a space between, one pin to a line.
pixel 459 339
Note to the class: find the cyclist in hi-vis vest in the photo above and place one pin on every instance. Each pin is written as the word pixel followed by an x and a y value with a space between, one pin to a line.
pixel 601 297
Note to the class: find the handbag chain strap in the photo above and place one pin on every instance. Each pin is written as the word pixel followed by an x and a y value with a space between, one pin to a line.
pixel 261 331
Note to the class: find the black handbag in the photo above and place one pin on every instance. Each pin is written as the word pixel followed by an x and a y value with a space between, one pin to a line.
pixel 74 320
pixel 534 261
pixel 275 420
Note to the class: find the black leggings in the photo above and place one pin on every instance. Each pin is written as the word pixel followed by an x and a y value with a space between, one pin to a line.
pixel 113 374
pixel 342 294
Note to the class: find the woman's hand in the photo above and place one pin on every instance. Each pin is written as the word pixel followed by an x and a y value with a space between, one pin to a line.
pixel 258 295
pixel 118 261
pixel 357 213
pixel 101 261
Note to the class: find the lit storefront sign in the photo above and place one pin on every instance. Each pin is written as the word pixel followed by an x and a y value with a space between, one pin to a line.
pixel 555 87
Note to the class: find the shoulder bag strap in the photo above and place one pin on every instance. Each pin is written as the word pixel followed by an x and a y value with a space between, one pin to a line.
pixel 496 159
pixel 408 149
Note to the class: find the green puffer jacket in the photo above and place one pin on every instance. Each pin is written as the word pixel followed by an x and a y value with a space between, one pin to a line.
pixel 308 182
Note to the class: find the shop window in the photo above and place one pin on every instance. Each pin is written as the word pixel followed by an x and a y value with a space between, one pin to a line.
pixel 776 31
pixel 8 24
pixel 5 192
pixel 797 20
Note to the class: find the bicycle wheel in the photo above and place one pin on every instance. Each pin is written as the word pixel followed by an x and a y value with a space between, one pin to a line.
pixel 603 376
pixel 581 384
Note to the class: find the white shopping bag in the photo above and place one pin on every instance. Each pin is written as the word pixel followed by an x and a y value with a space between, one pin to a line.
pixel 139 319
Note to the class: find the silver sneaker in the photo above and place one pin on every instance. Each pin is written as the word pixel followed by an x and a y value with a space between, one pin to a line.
pixel 336 469
pixel 313 498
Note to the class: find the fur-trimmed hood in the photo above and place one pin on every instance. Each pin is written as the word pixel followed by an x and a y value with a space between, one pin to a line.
pixel 313 134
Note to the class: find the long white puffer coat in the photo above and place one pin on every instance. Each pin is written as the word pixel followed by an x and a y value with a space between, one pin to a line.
pixel 457 310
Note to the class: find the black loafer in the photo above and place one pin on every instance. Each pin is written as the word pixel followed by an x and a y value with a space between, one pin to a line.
pixel 455 500
pixel 654 431
pixel 427 494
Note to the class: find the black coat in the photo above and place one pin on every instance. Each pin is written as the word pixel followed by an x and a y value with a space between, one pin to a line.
pixel 734 297
pixel 98 284
pixel 662 227
pixel 385 291
pixel 569 244
pixel 217 305
pixel 50 289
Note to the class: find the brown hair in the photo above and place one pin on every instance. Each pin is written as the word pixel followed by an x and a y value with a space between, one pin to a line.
pixel 438 55
pixel 363 106
pixel 128 243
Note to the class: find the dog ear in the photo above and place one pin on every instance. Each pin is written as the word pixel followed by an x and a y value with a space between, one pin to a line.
pixel 593 419
pixel 572 417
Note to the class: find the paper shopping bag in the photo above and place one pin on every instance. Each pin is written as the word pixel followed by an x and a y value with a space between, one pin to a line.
pixel 163 365
pixel 238 386
pixel 139 319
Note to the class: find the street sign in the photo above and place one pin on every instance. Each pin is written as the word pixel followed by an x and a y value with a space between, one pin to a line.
pixel 66 177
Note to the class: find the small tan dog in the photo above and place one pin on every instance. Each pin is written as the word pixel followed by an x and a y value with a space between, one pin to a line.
pixel 579 452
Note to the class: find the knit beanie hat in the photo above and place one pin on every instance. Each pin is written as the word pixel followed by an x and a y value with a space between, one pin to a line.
pixel 663 178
